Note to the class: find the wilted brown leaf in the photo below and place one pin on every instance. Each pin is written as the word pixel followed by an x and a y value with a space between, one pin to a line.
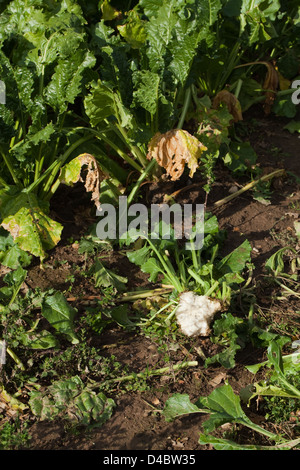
pixel 175 149
pixel 231 102
pixel 270 85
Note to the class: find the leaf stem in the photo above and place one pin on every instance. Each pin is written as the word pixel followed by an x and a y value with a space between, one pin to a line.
pixel 187 100
pixel 169 270
pixel 15 358
pixel 247 187
pixel 140 180
pixel 149 373
pixel 10 168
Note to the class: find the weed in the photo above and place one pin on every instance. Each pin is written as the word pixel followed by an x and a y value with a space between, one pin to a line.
pixel 14 435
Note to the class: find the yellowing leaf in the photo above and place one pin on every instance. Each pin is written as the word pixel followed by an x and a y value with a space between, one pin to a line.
pixel 175 149
pixel 108 12
pixel 25 217
pixel 9 404
pixel 133 31
pixel 284 83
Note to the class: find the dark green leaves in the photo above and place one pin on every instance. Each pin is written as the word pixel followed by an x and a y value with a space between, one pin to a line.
pixel 257 17
pixel 66 83
pixel 45 64
pixel 282 368
pixel 11 254
pixel 224 407
pixel 175 32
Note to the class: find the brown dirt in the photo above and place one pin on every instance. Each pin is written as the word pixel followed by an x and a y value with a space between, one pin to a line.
pixel 135 425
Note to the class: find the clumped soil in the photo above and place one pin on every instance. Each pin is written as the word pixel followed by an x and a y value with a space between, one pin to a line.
pixel 136 424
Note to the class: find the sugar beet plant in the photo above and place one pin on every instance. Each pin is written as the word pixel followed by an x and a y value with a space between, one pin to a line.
pixel 100 80
pixel 47 59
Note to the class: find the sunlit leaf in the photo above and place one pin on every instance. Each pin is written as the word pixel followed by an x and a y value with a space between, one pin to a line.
pixel 27 221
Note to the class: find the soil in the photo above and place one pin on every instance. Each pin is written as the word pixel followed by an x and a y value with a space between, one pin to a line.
pixel 135 423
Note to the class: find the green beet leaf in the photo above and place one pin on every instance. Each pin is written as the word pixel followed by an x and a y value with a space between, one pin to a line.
pixel 41 340
pixel 224 407
pixel 233 264
pixel 178 405
pixel 60 315
pixel 106 277
pixel 71 400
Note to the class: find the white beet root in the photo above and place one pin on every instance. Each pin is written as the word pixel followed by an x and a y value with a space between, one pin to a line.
pixel 195 313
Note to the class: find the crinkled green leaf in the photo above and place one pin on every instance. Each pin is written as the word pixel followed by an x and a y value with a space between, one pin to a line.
pixel 146 90
pixel 169 33
pixel 66 82
pixel 159 34
pixel 71 400
pixel 33 139
pixel 60 315
pixel 92 408
pixel 188 34
pixel 150 7
pixel 102 103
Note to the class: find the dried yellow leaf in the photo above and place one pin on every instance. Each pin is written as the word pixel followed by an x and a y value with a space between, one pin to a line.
pixel 71 173
pixel 175 149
